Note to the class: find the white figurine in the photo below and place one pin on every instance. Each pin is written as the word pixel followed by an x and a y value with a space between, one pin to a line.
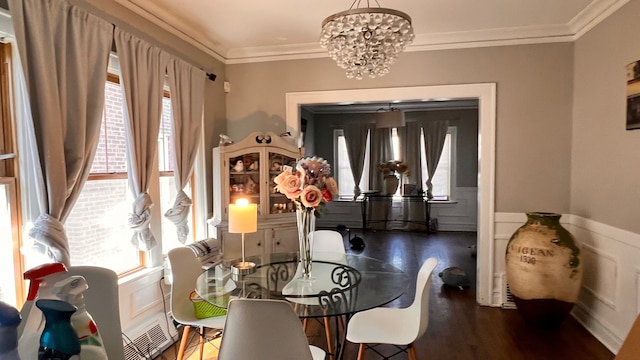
pixel 254 166
pixel 225 140
pixel 239 166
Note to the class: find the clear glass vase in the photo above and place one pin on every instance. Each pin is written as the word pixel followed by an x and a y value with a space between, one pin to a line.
pixel 306 220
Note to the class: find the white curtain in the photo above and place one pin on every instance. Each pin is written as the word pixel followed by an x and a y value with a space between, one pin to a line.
pixel 64 53
pixel 355 137
pixel 186 83
pixel 143 69
pixel 435 133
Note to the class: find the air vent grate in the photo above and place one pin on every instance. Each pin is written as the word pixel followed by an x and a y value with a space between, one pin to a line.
pixel 508 303
pixel 148 344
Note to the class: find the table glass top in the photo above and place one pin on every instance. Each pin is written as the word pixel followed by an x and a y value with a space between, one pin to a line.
pixel 339 284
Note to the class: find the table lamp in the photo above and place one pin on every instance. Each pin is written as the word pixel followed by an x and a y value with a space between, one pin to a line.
pixel 243 218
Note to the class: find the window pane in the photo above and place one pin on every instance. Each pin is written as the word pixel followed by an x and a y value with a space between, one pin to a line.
pixel 342 169
pixel 111 155
pixel 165 142
pixel 167 197
pixel 8 278
pixel 97 227
pixel 345 177
pixel 442 178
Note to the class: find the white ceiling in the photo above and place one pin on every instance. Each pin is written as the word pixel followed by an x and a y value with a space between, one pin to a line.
pixel 236 31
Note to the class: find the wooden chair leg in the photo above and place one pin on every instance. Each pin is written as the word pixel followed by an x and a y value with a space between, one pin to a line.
pixel 183 342
pixel 304 323
pixel 361 350
pixel 411 351
pixel 327 332
pixel 201 345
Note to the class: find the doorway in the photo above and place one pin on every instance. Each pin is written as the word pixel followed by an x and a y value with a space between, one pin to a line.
pixel 486 95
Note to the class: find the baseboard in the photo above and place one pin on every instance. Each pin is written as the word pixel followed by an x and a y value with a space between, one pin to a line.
pixel 597 328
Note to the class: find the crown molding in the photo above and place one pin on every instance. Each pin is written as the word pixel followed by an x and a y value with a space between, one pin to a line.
pixel 175 26
pixel 592 15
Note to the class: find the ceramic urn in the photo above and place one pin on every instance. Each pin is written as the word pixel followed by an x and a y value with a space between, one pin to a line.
pixel 544 271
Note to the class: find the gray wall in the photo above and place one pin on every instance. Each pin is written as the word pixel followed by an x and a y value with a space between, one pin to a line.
pixel 534 95
pixel 605 158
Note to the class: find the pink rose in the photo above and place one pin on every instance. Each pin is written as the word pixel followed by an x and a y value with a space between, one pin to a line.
pixel 290 186
pixel 311 196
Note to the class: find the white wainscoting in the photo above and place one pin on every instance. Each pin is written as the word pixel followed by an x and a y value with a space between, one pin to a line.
pixel 609 301
pixel 142 300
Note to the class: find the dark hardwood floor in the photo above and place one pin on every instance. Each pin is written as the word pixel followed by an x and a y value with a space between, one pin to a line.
pixel 460 329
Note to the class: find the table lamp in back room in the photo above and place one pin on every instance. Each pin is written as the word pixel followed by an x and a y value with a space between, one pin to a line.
pixel 243 218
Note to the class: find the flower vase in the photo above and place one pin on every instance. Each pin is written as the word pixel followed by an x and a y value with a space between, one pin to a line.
pixel 391 183
pixel 306 220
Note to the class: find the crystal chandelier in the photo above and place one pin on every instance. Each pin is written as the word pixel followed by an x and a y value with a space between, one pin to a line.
pixel 365 41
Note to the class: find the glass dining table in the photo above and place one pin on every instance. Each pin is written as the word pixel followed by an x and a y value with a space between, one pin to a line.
pixel 340 285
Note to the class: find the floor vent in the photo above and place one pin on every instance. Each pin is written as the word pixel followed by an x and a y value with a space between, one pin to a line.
pixel 508 303
pixel 148 342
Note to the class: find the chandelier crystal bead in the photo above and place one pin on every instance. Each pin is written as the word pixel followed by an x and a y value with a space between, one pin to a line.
pixel 366 41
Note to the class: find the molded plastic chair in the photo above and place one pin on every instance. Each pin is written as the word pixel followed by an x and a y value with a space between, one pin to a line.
pixel 328 241
pixel 186 268
pixel 326 244
pixel 400 327
pixel 102 301
pixel 265 329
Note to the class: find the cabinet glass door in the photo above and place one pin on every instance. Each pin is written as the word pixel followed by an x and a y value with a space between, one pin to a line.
pixel 278 203
pixel 244 178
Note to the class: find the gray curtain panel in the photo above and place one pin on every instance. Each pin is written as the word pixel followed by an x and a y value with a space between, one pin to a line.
pixel 355 137
pixel 435 133
pixel 64 53
pixel 186 84
pixel 143 69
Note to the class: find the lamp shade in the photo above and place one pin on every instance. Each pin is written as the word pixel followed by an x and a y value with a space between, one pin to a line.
pixel 390 119
pixel 243 217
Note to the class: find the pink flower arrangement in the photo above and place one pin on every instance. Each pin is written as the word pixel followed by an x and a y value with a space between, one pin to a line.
pixel 309 184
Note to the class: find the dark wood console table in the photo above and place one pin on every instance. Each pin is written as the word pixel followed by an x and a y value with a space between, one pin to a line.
pixel 367 198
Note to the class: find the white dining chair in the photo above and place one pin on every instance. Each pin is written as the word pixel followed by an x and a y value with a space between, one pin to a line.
pixel 328 241
pixel 102 302
pixel 265 329
pixel 400 327
pixel 327 245
pixel 186 268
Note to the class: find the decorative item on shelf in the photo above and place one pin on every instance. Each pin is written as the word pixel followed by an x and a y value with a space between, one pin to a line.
pixel 243 218
pixel 309 186
pixel 392 171
pixel 239 166
pixel 366 41
pixel 254 166
pixel 544 271
pixel 224 140
pixel 250 186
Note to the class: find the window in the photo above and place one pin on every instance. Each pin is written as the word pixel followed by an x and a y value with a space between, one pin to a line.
pixel 342 170
pixel 443 176
pixel 11 284
pixel 100 214
pixel 97 226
